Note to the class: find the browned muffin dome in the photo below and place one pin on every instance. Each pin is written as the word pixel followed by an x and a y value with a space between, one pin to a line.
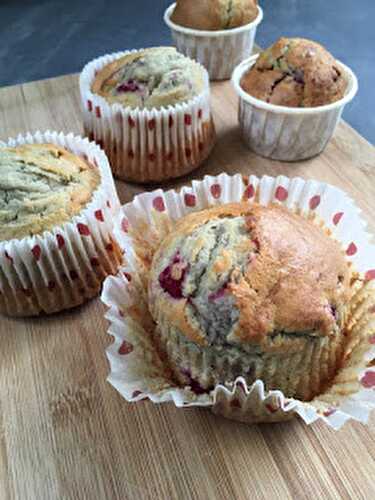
pixel 252 291
pixel 213 15
pixel 295 72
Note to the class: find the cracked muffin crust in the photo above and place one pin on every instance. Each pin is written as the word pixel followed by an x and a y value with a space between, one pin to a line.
pixel 253 291
pixel 213 15
pixel 295 72
pixel 41 186
pixel 152 78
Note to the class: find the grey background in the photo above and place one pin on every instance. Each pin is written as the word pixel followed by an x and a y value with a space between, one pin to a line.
pixel 45 38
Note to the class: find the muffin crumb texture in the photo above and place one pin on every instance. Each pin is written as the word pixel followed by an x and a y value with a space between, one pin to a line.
pixel 214 15
pixel 242 290
pixel 152 78
pixel 296 73
pixel 41 186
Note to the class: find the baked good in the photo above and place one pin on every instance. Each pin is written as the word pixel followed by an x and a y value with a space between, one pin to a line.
pixel 150 111
pixel 45 265
pixel 42 186
pixel 252 291
pixel 213 15
pixel 152 78
pixel 219 34
pixel 295 72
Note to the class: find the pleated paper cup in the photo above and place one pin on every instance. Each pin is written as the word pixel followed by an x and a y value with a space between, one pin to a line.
pixel 138 369
pixel 147 146
pixel 218 51
pixel 285 133
pixel 65 266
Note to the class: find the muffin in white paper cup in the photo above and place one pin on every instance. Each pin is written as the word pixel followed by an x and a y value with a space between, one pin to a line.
pixel 65 266
pixel 218 51
pixel 148 145
pixel 287 133
pixel 138 369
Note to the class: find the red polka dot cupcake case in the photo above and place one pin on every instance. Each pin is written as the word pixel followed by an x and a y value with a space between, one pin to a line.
pixel 145 142
pixel 138 368
pixel 64 265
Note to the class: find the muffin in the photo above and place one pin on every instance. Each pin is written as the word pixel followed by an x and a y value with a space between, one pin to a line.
pixel 295 72
pixel 150 111
pixel 252 291
pixel 54 253
pixel 291 99
pixel 43 185
pixel 153 78
pixel 214 15
pixel 219 34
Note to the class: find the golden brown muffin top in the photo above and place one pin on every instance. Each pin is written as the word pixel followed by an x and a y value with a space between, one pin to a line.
pixel 151 78
pixel 252 271
pixel 295 72
pixel 41 186
pixel 213 15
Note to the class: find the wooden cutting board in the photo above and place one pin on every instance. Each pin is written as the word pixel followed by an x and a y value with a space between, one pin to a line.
pixel 66 433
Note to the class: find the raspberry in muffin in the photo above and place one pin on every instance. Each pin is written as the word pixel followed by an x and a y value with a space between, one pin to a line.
pixel 152 78
pixel 252 291
pixel 213 15
pixel 295 72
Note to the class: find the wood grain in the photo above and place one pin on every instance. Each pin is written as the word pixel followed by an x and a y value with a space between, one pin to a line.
pixel 66 433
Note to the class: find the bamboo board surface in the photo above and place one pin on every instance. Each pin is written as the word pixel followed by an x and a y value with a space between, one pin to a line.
pixel 66 433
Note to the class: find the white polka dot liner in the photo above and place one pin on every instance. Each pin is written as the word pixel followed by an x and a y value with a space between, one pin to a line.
pixel 147 145
pixel 66 266
pixel 137 371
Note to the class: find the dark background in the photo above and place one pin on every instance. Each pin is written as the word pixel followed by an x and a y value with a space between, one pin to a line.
pixel 44 38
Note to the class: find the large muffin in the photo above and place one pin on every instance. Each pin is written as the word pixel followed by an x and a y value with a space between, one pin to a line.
pixel 213 15
pixel 49 260
pixel 151 78
pixel 295 72
pixel 252 291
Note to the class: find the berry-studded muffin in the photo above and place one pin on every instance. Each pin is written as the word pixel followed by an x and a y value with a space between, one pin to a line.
pixel 295 72
pixel 153 78
pixel 150 111
pixel 54 253
pixel 252 291
pixel 214 14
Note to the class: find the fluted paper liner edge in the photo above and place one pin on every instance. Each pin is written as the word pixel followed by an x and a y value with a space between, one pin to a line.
pixel 136 369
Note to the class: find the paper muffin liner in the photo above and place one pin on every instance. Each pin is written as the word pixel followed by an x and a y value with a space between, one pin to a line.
pixel 138 369
pixel 218 51
pixel 285 133
pixel 147 145
pixel 313 363
pixel 65 266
